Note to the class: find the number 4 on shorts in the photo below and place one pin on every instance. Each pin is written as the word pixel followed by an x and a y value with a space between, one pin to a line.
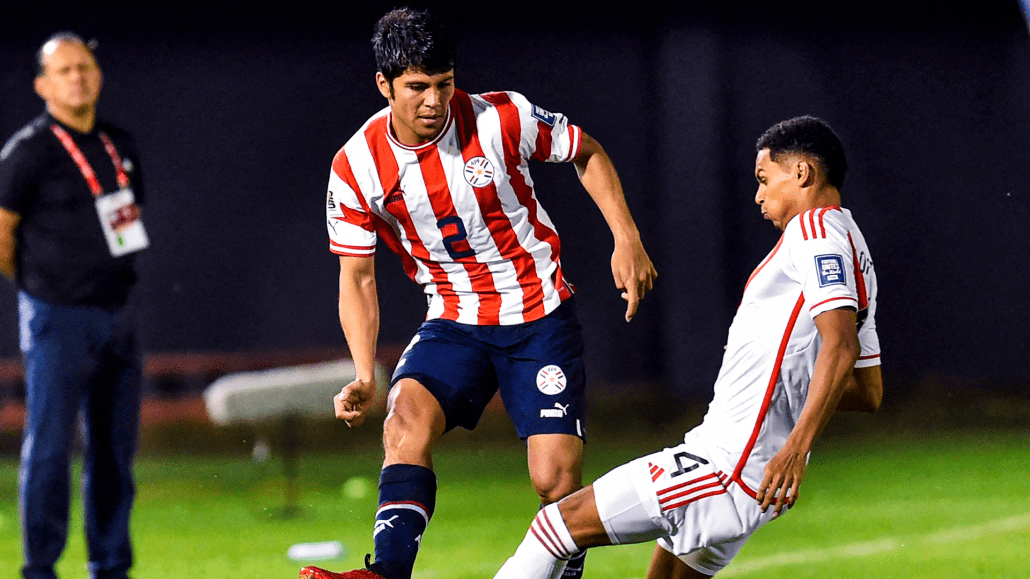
pixel 679 457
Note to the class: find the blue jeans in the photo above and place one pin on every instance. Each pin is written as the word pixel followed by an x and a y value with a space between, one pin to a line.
pixel 78 357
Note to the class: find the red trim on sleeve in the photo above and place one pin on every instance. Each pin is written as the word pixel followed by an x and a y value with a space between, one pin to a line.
pixel 348 254
pixel 354 247
pixel 576 134
pixel 848 298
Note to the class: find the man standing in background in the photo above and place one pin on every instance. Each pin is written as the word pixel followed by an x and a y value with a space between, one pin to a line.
pixel 70 188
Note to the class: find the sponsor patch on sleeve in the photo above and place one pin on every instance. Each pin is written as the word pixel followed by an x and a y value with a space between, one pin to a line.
pixel 544 116
pixel 831 270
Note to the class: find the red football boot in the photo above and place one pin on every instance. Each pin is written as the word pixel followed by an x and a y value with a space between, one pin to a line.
pixel 312 572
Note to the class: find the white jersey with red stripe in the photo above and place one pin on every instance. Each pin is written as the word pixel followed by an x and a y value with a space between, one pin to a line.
pixel 820 263
pixel 461 210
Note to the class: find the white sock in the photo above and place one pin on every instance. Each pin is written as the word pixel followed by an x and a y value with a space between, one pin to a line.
pixel 545 550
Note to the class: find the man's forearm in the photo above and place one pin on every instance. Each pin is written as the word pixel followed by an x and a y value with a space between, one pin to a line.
pixel 598 176
pixel 829 381
pixel 830 378
pixel 359 317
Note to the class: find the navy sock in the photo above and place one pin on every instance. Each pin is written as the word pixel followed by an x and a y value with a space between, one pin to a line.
pixel 407 497
pixel 574 568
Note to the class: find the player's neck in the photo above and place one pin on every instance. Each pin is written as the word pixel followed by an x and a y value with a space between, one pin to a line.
pixel 829 197
pixel 82 120
pixel 826 196
pixel 408 137
pixel 814 199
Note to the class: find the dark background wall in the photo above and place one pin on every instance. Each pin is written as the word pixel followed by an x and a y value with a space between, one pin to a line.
pixel 239 108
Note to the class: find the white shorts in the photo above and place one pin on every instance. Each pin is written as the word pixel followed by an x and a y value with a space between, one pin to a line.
pixel 680 498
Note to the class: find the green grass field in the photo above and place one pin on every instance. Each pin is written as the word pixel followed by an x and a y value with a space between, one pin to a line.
pixel 953 505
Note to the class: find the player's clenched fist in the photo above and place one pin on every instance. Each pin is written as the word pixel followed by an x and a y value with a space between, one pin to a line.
pixel 353 401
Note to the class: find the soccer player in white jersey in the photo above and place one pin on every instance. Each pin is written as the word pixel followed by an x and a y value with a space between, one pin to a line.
pixel 442 178
pixel 802 345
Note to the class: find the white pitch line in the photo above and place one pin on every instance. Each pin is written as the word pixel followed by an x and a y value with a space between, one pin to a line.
pixel 866 548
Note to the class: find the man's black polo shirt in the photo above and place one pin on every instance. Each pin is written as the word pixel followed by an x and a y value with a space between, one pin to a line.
pixel 62 255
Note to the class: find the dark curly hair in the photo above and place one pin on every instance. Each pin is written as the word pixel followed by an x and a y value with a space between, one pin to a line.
pixel 412 39
pixel 810 137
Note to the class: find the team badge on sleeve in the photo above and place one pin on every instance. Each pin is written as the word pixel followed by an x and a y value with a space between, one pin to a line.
pixel 544 116
pixel 831 270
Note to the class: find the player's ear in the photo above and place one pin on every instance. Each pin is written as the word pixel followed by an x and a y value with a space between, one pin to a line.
pixel 804 172
pixel 385 86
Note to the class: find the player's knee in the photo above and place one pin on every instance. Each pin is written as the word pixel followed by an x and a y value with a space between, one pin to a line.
pixel 554 484
pixel 555 466
pixel 414 421
pixel 405 434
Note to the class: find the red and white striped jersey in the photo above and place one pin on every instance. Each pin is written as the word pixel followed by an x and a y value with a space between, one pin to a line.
pixel 820 263
pixel 461 210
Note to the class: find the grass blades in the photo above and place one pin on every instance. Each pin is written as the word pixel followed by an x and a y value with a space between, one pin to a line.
pixel 887 506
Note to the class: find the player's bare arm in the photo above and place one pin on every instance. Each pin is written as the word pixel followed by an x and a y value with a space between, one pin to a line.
pixel 631 267
pixel 864 392
pixel 833 369
pixel 359 317
pixel 8 242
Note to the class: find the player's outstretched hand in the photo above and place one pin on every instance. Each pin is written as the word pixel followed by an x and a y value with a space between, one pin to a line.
pixel 353 401
pixel 633 272
pixel 783 476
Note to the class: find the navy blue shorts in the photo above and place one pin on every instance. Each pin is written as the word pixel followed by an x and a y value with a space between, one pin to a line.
pixel 538 367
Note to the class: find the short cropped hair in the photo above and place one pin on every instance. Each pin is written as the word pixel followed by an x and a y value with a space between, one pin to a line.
pixel 412 39
pixel 810 137
pixel 63 36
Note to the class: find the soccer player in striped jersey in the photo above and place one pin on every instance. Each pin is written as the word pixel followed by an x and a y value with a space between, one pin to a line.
pixel 802 345
pixel 441 176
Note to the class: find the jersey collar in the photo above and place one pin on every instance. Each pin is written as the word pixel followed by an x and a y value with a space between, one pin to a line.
pixel 396 142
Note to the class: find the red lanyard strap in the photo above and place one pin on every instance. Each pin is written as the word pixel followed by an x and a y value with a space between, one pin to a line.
pixel 84 166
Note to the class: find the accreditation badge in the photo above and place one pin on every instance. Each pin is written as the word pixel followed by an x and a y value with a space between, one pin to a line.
pixel 120 220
